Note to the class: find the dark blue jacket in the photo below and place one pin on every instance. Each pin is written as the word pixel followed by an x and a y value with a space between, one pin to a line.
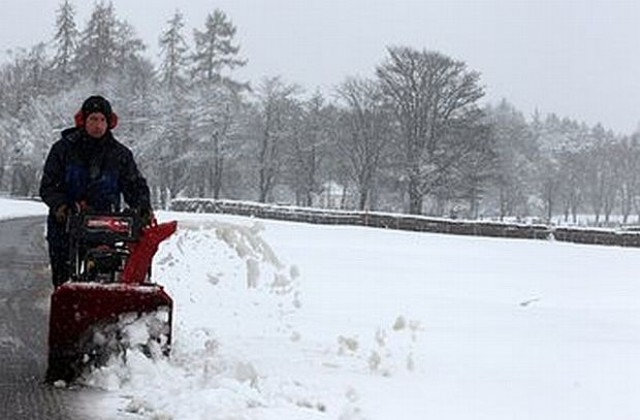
pixel 94 171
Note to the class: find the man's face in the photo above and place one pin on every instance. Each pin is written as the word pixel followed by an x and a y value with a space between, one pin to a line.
pixel 96 125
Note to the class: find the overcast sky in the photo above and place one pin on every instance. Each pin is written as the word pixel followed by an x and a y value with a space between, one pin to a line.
pixel 577 58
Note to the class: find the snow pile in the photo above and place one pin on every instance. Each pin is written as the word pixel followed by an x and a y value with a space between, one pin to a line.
pixel 227 285
pixel 10 208
pixel 242 348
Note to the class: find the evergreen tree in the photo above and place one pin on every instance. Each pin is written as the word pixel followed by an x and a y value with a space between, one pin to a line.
pixel 173 141
pixel 217 100
pixel 98 49
pixel 129 47
pixel 65 42
pixel 173 48
pixel 215 51
pixel 516 154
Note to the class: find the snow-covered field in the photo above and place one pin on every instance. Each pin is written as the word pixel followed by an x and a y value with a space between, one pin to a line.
pixel 276 320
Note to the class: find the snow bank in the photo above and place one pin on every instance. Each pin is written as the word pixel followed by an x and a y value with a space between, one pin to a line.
pixel 10 208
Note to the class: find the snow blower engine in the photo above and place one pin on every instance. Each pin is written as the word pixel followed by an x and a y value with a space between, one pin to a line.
pixel 109 297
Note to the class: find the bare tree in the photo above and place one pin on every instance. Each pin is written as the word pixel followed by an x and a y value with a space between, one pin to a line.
pixel 366 124
pixel 430 93
pixel 24 79
pixel 313 122
pixel 629 164
pixel 601 185
pixel 477 167
pixel 215 113
pixel 276 106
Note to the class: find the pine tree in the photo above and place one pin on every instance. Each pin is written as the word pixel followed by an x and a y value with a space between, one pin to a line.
pixel 65 44
pixel 98 48
pixel 215 51
pixel 173 49
pixel 129 47
pixel 517 151
pixel 217 98
pixel 173 140
pixel 313 122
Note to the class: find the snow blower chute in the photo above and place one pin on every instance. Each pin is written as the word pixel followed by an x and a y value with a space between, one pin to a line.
pixel 109 289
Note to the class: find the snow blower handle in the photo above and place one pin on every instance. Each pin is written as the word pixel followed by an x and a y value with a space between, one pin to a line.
pixel 147 217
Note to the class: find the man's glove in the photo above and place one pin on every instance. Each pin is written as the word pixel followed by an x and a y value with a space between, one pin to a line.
pixel 146 216
pixel 61 213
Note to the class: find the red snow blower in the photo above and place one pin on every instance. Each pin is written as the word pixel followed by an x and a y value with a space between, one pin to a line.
pixel 109 290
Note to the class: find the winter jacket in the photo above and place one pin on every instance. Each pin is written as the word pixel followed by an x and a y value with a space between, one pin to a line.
pixel 94 171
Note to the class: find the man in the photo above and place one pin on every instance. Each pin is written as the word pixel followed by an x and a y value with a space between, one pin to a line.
pixel 88 168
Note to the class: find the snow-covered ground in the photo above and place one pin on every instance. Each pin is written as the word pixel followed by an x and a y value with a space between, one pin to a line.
pixel 277 320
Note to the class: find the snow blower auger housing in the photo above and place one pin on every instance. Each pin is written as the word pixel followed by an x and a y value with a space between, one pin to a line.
pixel 109 289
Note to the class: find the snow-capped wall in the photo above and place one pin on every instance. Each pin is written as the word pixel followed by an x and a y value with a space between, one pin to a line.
pixel 408 222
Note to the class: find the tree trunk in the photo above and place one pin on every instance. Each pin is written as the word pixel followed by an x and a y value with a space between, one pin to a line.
pixel 415 198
